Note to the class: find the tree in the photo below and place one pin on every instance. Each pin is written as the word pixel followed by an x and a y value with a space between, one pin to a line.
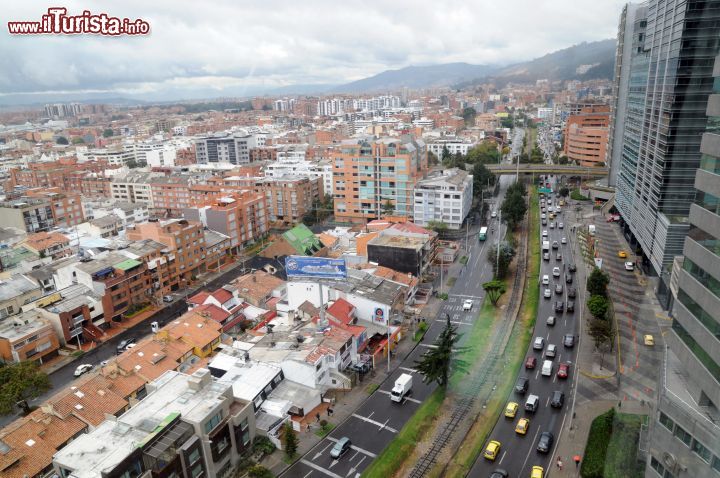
pixel 597 283
pixel 564 191
pixel 513 209
pixel 107 133
pixel 494 289
pixel 468 115
pixel 598 306
pixel 20 382
pixel 563 160
pixel 432 159
pixel 517 188
pixel 482 178
pixel 434 365
pixel 290 440
pixel 501 264
pixel 62 140
pixel 77 140
pixel 485 152
pixel 601 331
pixel 259 471
pixel 387 208
pixel 445 154
pixel 437 226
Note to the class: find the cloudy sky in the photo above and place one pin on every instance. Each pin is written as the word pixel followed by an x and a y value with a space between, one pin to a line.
pixel 222 45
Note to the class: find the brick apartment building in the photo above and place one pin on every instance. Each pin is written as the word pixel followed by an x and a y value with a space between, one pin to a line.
pixel 53 174
pixel 183 239
pixel 65 205
pixel 41 211
pixel 369 173
pixel 242 216
pixel 27 336
pixel 586 135
pixel 172 194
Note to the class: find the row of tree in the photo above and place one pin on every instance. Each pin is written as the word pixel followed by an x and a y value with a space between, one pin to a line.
pixel 600 324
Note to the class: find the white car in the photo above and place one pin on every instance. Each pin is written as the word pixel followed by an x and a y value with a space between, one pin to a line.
pixel 494 214
pixel 556 272
pixel 547 294
pixel 467 305
pixel 563 240
pixel 552 225
pixel 561 225
pixel 81 369
pixel 545 233
pixel 546 279
pixel 629 266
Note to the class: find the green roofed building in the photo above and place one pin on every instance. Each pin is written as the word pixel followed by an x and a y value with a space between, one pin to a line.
pixel 303 240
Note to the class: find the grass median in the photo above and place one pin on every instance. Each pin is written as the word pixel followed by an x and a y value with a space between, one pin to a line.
pixel 472 446
pixel 402 446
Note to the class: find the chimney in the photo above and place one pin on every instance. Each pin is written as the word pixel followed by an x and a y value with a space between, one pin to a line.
pixel 199 380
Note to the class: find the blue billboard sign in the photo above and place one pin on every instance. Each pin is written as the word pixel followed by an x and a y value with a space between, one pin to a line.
pixel 302 266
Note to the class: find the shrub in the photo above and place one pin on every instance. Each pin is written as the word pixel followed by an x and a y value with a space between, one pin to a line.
pixel 263 445
pixel 593 464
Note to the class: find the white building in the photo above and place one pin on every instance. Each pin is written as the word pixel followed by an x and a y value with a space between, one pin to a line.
pixel 115 155
pixel 226 147
pixel 164 156
pixel 444 197
pixel 293 163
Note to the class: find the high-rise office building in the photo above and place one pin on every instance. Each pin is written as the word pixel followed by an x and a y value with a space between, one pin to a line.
pixel 670 78
pixel 685 430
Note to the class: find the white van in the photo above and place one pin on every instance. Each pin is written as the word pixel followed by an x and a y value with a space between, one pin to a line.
pixel 532 403
pixel 547 368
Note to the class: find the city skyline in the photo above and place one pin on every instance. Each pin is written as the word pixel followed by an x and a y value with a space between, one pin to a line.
pixel 193 50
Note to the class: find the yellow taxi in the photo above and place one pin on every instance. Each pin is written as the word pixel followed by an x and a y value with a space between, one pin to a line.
pixel 522 426
pixel 622 254
pixel 649 340
pixel 537 472
pixel 492 449
pixel 511 410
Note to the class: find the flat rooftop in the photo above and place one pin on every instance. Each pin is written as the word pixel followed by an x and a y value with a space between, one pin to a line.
pixel 405 242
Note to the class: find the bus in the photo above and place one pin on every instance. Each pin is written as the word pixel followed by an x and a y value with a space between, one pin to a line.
pixel 482 235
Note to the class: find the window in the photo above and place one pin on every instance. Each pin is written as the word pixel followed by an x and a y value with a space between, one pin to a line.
pixel 655 465
pixel 213 422
pixel 666 421
pixel 716 464
pixel 246 438
pixel 244 424
pixel 701 451
pixel 197 471
pixel 682 435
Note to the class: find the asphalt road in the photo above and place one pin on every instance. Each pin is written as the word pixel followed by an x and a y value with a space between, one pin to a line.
pixel 518 452
pixel 376 422
pixel 63 376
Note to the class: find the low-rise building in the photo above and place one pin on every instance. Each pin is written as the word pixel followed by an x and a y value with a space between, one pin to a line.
pixel 404 247
pixel 27 336
pixel 258 288
pixel 15 292
pixel 48 244
pixel 76 314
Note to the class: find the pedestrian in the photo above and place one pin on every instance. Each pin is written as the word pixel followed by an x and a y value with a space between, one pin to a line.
pixel 317 417
pixel 559 463
pixel 330 411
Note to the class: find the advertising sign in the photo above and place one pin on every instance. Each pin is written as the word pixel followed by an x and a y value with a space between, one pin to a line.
pixel 323 267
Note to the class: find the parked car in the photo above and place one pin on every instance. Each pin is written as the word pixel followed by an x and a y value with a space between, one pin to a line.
pixel 530 363
pixel 558 399
pixel 552 224
pixel 467 305
pixel 629 266
pixel 544 234
pixel 340 448
pixel 122 346
pixel 550 321
pixel 545 442
pixel 559 306
pixel 167 298
pixel 539 343
pixel 81 369
pixel 569 341
pixel 521 386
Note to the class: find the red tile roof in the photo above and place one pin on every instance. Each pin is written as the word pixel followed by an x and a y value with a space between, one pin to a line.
pixel 411 227
pixel 341 310
pixel 222 295
pixel 212 311
pixel 199 298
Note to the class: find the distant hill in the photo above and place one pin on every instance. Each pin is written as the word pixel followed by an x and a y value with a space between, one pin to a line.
pixel 417 77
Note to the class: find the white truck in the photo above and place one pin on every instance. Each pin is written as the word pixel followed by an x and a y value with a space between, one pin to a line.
pixel 402 387
pixel 546 246
pixel 591 229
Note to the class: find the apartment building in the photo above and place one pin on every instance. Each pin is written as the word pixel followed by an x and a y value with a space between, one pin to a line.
pixel 27 336
pixel 115 155
pixel 684 436
pixel 52 174
pixel 42 211
pixel 453 146
pixel 289 198
pixel 15 292
pixel 48 244
pixel 231 148
pixel 370 174
pixel 586 136
pixel 183 239
pixel 133 187
pixel 242 216
pixel 445 196
pixel 172 194
pixel 122 283
pixel 671 77
pixel 65 206
pixel 76 314
pixel 93 185
pixel 187 425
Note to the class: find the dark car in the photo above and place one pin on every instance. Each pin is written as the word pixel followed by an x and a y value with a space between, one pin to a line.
pixel 569 341
pixel 499 473
pixel 572 268
pixel 555 245
pixel 570 306
pixel 361 367
pixel 530 362
pixel 545 442
pixel 559 306
pixel 572 292
pixel 558 399
pixel 123 345
pixel 568 278
pixel 546 256
pixel 340 448
pixel 558 257
pixel 558 289
pixel 521 386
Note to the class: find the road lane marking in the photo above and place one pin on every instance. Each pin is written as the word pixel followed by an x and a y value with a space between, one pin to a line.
pixel 530 450
pixel 537 374
pixel 562 424
pixel 354 468
pixel 308 474
pixel 381 426
pixel 320 468
pixel 356 448
pixel 502 457
pixel 320 453
pixel 411 370
pixel 406 398
pixel 353 457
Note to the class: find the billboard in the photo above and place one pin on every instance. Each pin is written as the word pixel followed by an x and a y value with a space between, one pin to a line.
pixel 302 266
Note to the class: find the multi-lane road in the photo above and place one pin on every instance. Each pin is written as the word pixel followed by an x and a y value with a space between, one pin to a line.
pixel 518 452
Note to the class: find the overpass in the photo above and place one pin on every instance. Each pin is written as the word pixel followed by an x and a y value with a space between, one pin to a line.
pixel 542 168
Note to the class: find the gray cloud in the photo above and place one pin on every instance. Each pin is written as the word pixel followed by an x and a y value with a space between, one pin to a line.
pixel 271 43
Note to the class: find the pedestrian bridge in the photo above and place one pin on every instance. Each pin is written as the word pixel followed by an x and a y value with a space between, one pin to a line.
pixel 562 170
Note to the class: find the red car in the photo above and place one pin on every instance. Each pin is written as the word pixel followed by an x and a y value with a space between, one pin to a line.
pixel 563 370
pixel 530 362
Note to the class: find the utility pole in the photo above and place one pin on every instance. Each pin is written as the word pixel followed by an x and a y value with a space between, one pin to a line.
pixel 497 260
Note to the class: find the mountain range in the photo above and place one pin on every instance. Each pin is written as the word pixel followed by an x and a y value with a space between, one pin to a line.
pixel 589 60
